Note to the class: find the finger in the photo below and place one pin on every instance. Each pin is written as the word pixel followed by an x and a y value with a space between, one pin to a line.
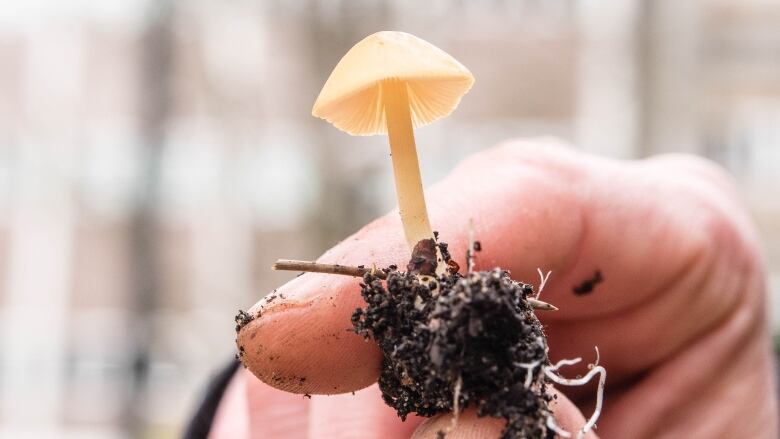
pixel 251 409
pixel 470 426
pixel 724 385
pixel 302 343
pixel 690 233
pixel 361 415
pixel 534 206
pixel 231 419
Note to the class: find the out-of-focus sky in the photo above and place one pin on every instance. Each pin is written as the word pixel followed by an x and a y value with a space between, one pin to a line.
pixel 157 156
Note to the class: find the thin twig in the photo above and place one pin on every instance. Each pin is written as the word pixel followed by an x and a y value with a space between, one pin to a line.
pixel 316 267
pixel 347 270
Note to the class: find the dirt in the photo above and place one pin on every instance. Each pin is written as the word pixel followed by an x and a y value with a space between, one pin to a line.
pixel 467 335
pixel 588 285
pixel 242 319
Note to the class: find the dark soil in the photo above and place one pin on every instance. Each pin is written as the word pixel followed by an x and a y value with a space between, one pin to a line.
pixel 242 319
pixel 468 335
pixel 587 286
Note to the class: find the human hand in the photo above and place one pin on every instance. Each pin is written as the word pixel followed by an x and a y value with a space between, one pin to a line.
pixel 679 318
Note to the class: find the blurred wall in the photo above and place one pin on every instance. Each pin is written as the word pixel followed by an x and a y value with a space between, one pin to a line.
pixel 157 156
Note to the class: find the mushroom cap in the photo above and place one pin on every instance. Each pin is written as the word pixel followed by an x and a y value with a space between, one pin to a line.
pixel 351 98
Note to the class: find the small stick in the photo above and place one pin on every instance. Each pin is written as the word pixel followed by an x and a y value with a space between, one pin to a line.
pixel 347 270
pixel 315 267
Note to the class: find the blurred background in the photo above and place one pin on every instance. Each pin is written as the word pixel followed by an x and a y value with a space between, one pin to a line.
pixel 157 156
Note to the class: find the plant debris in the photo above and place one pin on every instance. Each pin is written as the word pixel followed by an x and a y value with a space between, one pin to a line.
pixel 423 258
pixel 454 341
pixel 587 286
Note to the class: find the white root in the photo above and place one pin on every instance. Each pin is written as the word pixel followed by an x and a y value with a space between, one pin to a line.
pixel 564 362
pixel 598 358
pixel 456 399
pixel 554 427
pixel 542 281
pixel 455 406
pixel 595 369
pixel 529 371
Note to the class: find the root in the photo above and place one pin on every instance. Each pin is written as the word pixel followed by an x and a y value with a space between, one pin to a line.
pixel 455 407
pixel 554 427
pixel 529 371
pixel 456 402
pixel 564 362
pixel 595 369
pixel 542 281
pixel 598 358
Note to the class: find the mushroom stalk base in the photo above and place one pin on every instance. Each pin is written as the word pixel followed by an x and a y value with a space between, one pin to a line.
pixel 408 183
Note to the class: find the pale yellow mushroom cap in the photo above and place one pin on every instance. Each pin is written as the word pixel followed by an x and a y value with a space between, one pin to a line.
pixel 352 96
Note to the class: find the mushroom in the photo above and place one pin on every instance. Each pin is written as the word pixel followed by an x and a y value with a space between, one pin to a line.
pixel 388 83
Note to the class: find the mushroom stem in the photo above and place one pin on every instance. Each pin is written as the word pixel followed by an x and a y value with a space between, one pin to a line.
pixel 403 151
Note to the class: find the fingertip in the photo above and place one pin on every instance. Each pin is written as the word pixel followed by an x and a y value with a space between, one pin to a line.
pixel 468 426
pixel 302 340
pixel 361 414
pixel 305 343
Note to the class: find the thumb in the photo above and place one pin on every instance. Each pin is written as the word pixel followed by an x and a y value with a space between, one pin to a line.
pixel 470 426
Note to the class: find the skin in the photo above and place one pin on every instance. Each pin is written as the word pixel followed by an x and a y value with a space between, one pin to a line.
pixel 679 319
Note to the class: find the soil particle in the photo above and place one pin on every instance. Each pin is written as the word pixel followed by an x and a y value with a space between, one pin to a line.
pixel 271 297
pixel 242 319
pixel 587 286
pixel 452 267
pixel 479 331
pixel 445 252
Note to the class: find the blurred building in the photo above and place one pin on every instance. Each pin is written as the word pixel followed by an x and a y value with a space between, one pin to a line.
pixel 156 157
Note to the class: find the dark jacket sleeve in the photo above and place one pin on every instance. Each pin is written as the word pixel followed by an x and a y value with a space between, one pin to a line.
pixel 200 422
